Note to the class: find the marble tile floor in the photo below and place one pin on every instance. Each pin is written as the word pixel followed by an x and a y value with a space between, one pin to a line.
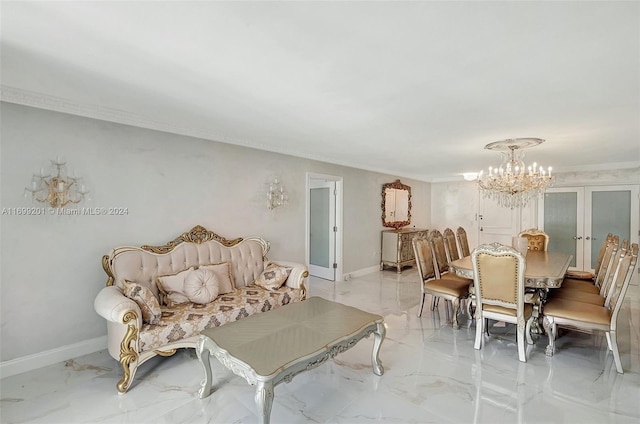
pixel 432 375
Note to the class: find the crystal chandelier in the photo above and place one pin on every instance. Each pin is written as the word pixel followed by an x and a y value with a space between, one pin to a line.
pixel 56 190
pixel 513 184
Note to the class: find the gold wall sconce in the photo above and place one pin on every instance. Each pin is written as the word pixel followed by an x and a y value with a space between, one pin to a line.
pixel 57 189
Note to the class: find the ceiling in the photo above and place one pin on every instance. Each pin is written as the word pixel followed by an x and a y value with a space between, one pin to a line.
pixel 409 88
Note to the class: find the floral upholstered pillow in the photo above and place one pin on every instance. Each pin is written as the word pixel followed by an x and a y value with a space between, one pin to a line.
pixel 145 299
pixel 201 286
pixel 273 277
pixel 172 287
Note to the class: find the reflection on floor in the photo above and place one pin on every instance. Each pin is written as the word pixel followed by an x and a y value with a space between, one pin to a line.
pixel 432 374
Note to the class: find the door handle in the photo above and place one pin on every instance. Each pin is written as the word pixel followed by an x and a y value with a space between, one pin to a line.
pixel 577 238
pixel 588 238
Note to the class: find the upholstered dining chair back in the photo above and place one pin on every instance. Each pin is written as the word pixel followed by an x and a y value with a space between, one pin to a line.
pixel 603 247
pixel 499 272
pixel 450 245
pixel 463 243
pixel 623 275
pixel 607 261
pixel 608 284
pixel 499 290
pixel 538 239
pixel 439 252
pixel 424 259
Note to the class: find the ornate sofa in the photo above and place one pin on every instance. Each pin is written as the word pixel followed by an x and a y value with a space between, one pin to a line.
pixel 133 340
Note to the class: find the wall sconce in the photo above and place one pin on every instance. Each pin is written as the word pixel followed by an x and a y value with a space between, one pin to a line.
pixel 58 190
pixel 276 196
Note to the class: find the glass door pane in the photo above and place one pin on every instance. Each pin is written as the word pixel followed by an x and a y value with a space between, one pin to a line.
pixel 561 222
pixel 320 227
pixel 610 213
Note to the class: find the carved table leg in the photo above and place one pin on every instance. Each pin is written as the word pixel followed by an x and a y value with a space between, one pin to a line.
pixel 204 355
pixel 536 328
pixel 264 400
pixel 379 334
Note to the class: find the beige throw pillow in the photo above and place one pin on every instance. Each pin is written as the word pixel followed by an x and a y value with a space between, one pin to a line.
pixel 201 286
pixel 145 299
pixel 223 274
pixel 172 287
pixel 273 277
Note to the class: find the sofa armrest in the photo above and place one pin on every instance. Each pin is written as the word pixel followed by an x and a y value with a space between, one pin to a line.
pixel 298 275
pixel 112 305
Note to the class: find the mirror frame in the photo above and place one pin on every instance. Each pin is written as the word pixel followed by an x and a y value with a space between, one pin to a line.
pixel 398 186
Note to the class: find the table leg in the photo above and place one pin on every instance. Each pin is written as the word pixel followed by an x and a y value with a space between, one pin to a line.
pixel 264 400
pixel 379 334
pixel 204 355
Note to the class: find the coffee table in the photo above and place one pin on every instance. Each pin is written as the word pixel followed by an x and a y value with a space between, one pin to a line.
pixel 274 346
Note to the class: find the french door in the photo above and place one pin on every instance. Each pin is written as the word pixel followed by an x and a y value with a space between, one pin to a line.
pixel 578 219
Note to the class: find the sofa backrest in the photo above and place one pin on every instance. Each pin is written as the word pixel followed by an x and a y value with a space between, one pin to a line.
pixel 195 248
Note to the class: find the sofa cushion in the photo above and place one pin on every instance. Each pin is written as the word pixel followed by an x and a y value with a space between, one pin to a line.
pixel 273 277
pixel 225 278
pixel 172 287
pixel 201 286
pixel 188 319
pixel 146 300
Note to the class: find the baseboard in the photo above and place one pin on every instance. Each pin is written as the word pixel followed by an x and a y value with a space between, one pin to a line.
pixel 49 357
pixel 361 272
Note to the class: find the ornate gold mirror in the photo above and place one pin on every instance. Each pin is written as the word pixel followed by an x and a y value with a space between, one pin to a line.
pixel 396 204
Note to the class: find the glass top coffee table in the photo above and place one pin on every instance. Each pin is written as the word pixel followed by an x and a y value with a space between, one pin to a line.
pixel 274 346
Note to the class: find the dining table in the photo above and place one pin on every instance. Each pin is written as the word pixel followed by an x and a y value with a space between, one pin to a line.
pixel 544 271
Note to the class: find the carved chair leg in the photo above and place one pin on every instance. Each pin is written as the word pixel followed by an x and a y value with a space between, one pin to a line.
pixel 616 353
pixel 421 304
pixel 520 340
pixel 455 303
pixel 479 324
pixel 528 330
pixel 550 328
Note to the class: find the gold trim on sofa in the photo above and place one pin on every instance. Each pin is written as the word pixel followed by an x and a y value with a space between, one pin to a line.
pixel 197 234
pixel 128 354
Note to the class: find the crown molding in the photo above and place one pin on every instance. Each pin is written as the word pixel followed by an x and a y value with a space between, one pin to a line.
pixel 57 104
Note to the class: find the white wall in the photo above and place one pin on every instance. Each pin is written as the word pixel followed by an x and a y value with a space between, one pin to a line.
pixel 453 205
pixel 51 265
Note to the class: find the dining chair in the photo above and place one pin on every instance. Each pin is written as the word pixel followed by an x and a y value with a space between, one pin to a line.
pixel 571 284
pixel 450 245
pixel 605 283
pixel 538 239
pixel 444 251
pixel 499 289
pixel 588 317
pixel 588 275
pixel 452 290
pixel 463 243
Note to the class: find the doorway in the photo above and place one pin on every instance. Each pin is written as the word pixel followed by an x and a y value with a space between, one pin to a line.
pixel 324 226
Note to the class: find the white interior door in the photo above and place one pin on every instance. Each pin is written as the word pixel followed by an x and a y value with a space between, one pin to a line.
pixel 497 223
pixel 322 229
